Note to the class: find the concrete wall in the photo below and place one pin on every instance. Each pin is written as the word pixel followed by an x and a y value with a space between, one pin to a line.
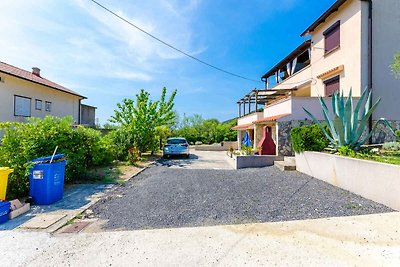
pixel 296 79
pixel 255 161
pixel 386 41
pixel 373 180
pixel 63 104
pixel 280 107
pixel 250 118
pixel 88 115
pixel 349 54
pixel 224 146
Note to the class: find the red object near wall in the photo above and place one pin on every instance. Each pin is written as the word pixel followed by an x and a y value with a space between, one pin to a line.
pixel 267 144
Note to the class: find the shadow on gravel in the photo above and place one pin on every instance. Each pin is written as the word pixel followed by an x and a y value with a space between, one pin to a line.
pixel 177 161
pixel 162 197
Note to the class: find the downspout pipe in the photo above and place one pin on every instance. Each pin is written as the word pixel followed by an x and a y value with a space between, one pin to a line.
pixel 370 62
pixel 79 111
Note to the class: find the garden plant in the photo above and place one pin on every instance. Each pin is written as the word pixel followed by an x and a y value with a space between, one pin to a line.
pixel 348 125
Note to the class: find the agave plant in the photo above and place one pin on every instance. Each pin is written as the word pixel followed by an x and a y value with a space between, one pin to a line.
pixel 347 126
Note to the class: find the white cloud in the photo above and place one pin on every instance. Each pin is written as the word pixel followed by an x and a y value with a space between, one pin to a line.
pixel 81 39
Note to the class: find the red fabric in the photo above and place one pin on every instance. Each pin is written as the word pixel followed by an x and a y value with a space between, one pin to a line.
pixel 267 144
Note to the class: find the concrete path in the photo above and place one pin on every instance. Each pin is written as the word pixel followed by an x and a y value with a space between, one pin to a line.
pixel 75 200
pixel 214 160
pixel 369 240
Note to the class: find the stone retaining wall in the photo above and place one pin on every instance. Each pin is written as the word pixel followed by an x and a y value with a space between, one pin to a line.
pixel 381 135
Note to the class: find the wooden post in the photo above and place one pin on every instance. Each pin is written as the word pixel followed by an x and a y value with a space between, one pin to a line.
pixel 249 104
pixel 240 111
pixel 256 100
pixel 244 106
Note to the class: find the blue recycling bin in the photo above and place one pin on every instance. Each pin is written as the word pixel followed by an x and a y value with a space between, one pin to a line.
pixel 46 180
pixel 4 210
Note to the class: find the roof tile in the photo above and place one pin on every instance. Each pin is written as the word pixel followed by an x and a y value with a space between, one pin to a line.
pixel 27 75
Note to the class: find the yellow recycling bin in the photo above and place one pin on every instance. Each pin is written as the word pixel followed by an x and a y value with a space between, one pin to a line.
pixel 4 172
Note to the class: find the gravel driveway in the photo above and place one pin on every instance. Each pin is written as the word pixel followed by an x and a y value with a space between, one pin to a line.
pixel 164 196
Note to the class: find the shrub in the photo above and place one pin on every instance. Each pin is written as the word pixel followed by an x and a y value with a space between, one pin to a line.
pixel 391 146
pixel 133 155
pixel 347 125
pixel 398 135
pixel 23 142
pixel 346 151
pixel 308 138
pixel 122 138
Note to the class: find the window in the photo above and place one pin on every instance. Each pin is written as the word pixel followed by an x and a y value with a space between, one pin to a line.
pixel 332 85
pixel 38 104
pixel 22 106
pixel 48 106
pixel 332 37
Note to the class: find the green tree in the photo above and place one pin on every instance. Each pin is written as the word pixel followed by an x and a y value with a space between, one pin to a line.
pixel 142 116
pixel 195 128
pixel 395 66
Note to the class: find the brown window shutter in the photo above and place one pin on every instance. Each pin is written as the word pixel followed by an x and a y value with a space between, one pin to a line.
pixel 332 37
pixel 332 85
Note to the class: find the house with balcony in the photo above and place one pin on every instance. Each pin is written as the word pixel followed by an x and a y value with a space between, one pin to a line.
pixel 350 45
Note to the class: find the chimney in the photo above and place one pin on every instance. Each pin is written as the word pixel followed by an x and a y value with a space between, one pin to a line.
pixel 36 71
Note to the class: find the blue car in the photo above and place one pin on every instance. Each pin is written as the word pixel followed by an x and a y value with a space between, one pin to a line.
pixel 176 146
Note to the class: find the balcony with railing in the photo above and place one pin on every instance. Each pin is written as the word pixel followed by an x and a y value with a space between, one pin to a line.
pixel 293 72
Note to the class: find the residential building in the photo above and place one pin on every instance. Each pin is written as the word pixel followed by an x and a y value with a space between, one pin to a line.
pixel 27 94
pixel 88 115
pixel 351 45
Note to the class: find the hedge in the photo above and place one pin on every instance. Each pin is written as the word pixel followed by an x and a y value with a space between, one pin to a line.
pixel 308 138
pixel 22 142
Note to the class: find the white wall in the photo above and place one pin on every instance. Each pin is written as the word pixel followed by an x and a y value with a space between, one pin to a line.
pixel 283 106
pixel 349 54
pixel 296 79
pixel 63 104
pixel 250 118
pixel 386 41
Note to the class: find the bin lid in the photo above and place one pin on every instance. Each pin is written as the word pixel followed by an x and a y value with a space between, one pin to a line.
pixel 47 159
pixel 4 203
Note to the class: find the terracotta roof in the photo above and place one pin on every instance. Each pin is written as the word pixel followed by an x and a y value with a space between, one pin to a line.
pixel 28 76
pixel 242 127
pixel 268 119
pixel 250 125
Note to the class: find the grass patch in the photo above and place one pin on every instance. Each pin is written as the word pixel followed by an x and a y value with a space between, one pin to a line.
pixel 114 173
pixel 385 157
pixel 106 174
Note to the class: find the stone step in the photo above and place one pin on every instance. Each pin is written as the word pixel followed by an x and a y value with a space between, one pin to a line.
pixel 285 166
pixel 291 160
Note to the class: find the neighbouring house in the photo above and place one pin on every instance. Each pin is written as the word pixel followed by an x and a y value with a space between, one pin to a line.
pixel 350 45
pixel 88 115
pixel 27 94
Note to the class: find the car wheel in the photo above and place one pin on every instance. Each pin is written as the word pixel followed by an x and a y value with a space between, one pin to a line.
pixel 187 156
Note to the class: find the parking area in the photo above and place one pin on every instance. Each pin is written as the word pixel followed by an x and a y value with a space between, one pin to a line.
pixel 213 160
pixel 205 191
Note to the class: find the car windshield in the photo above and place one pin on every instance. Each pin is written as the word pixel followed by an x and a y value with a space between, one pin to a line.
pixel 176 141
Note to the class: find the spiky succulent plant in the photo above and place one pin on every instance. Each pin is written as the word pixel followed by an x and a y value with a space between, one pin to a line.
pixel 347 126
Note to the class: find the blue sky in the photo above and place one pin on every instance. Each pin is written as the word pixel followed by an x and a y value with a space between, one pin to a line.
pixel 80 46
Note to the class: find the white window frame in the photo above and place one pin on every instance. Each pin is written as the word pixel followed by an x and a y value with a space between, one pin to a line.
pixel 36 104
pixel 47 106
pixel 22 111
